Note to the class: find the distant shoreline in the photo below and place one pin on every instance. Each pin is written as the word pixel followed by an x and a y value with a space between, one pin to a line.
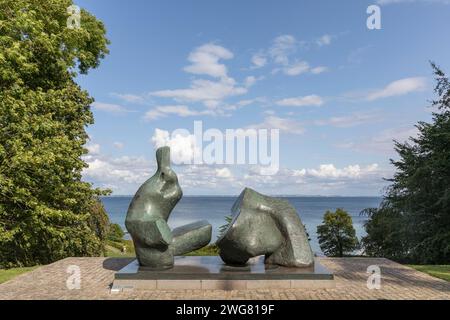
pixel 236 195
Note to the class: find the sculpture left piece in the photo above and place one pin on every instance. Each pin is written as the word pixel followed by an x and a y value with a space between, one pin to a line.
pixel 146 221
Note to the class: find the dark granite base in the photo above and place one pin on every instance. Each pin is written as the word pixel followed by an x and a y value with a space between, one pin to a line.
pixel 213 268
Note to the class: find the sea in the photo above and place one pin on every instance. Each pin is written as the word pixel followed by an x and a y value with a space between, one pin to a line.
pixel 215 208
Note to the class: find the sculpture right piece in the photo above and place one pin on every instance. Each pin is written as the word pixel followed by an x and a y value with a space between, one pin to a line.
pixel 267 226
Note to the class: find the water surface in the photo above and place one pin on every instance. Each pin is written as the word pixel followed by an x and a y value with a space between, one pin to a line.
pixel 214 209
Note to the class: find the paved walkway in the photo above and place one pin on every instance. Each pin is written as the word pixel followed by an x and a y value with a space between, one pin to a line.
pixel 398 282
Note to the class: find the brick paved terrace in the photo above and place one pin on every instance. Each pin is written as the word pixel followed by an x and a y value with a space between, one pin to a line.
pixel 398 282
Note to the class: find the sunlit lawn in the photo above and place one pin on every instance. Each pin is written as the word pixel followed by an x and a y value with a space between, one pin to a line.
pixel 8 274
pixel 113 250
pixel 438 271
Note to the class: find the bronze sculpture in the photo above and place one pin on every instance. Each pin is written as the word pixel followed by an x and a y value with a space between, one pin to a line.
pixel 261 225
pixel 267 226
pixel 146 221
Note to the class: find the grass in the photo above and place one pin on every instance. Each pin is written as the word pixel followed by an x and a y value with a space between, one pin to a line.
pixel 115 249
pixel 211 250
pixel 438 271
pixel 8 274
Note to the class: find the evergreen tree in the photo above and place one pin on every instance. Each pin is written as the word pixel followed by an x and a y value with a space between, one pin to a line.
pixel 415 212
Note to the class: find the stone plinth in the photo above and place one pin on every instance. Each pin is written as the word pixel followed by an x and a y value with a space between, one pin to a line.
pixel 210 273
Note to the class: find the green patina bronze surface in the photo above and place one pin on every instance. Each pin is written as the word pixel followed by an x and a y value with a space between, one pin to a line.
pixel 147 216
pixel 267 226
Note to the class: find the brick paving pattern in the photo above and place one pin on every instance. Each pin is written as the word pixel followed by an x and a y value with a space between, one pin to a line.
pixel 398 282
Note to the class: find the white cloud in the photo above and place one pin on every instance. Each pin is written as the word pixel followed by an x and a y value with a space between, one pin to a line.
pixel 212 93
pixel 311 100
pixel 348 120
pixel 205 60
pixel 250 81
pixel 93 148
pixel 182 147
pixel 204 91
pixel 223 173
pixel 282 47
pixel 208 179
pixel 127 97
pixel 326 179
pixel 280 53
pixel 108 107
pixel 351 171
pixel 297 68
pixel 301 67
pixel 262 101
pixel 324 40
pixel 398 88
pixel 179 110
pixel 259 60
pixel 123 175
pixel 319 70
pixel 283 124
pixel 118 145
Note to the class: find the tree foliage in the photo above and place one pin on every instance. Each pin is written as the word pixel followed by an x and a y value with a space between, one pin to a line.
pixel 413 220
pixel 115 232
pixel 336 234
pixel 46 211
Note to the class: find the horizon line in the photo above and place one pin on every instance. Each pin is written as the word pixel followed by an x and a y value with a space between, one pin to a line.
pixel 271 195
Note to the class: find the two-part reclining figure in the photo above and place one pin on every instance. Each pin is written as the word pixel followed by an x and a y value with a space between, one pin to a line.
pixel 261 225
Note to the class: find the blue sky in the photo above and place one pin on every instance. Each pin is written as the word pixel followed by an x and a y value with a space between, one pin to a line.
pixel 338 92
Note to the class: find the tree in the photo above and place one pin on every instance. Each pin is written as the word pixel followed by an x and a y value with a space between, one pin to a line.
pixel 415 211
pixel 115 232
pixel 46 211
pixel 384 237
pixel 337 237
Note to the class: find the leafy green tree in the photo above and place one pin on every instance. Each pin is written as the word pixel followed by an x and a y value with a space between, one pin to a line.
pixel 415 212
pixel 115 232
pixel 46 211
pixel 336 234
